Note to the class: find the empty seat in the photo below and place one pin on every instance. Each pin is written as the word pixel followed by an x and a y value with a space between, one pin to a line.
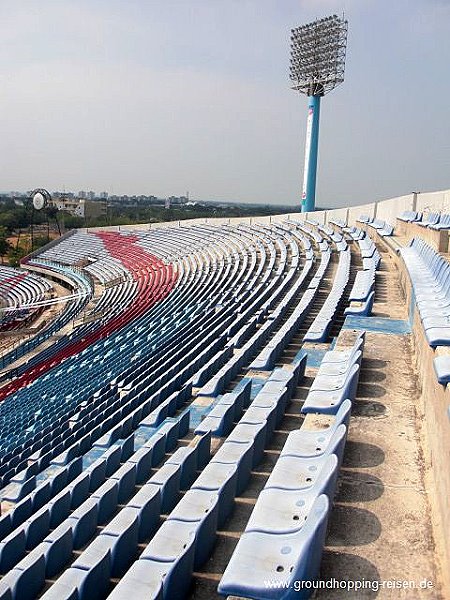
pixel 260 557
pixel 222 479
pixel 201 508
pixel 171 555
pixel 139 583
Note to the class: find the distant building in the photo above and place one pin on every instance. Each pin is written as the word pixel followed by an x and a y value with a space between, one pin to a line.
pixel 81 207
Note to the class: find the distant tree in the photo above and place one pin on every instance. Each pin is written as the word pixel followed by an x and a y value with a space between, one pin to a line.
pixel 5 246
pixel 72 222
pixel 15 254
pixel 40 241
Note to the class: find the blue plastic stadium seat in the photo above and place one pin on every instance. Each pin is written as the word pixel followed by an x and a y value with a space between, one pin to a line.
pixel 285 511
pixel 239 454
pixel 86 579
pixel 12 549
pixel 170 430
pixel 199 507
pixel 147 501
pixel 167 478
pixel 139 583
pixel 57 548
pixel 219 421
pixel 222 479
pixel 430 276
pixel 37 527
pixel 107 496
pixel 310 443
pixel 186 457
pixel 363 308
pixel 143 460
pixel 123 532
pixel 254 433
pixel 5 525
pixel 171 555
pixel 84 522
pixel 97 474
pixel 410 216
pixel 158 444
pixel 442 368
pixel 79 489
pixel 261 557
pixel 331 391
pixel 126 478
pixel 27 579
pixel 255 415
pixel 298 473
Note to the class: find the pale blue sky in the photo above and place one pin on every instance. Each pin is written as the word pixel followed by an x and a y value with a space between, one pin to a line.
pixel 164 96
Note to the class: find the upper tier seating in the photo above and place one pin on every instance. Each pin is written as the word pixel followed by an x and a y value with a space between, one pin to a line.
pixel 443 223
pixel 430 276
pixel 428 219
pixel 410 216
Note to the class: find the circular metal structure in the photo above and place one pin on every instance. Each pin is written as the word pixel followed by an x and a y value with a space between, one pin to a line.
pixel 38 201
pixel 40 198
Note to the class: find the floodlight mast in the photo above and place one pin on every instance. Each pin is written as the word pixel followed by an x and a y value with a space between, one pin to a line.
pixel 317 67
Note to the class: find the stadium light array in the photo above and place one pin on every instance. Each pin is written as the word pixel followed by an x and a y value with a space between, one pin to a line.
pixel 317 67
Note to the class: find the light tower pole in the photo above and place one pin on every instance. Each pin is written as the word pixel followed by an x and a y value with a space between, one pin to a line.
pixel 317 67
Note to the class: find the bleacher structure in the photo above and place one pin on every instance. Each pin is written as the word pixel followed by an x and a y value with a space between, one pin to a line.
pixel 135 424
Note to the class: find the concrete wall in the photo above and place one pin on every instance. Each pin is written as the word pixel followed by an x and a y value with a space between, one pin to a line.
pixel 386 210
pixel 339 214
pixel 434 201
pixel 354 212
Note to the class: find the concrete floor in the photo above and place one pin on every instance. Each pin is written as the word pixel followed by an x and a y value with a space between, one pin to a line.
pixel 380 526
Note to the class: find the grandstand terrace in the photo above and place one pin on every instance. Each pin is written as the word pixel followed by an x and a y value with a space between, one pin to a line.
pixel 230 408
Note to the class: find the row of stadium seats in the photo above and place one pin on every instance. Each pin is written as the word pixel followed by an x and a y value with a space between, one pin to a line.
pixel 433 220
pixel 82 292
pixel 430 276
pixel 19 289
pixel 91 366
pixel 118 382
pixel 382 227
pixel 284 537
pixel 125 443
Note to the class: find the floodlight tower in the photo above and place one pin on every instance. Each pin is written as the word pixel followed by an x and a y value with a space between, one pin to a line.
pixel 317 67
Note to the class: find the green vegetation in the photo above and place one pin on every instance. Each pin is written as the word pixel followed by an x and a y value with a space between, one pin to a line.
pixel 5 246
pixel 15 221
pixel 130 215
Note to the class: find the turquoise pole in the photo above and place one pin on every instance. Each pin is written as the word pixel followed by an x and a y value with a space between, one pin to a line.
pixel 311 150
